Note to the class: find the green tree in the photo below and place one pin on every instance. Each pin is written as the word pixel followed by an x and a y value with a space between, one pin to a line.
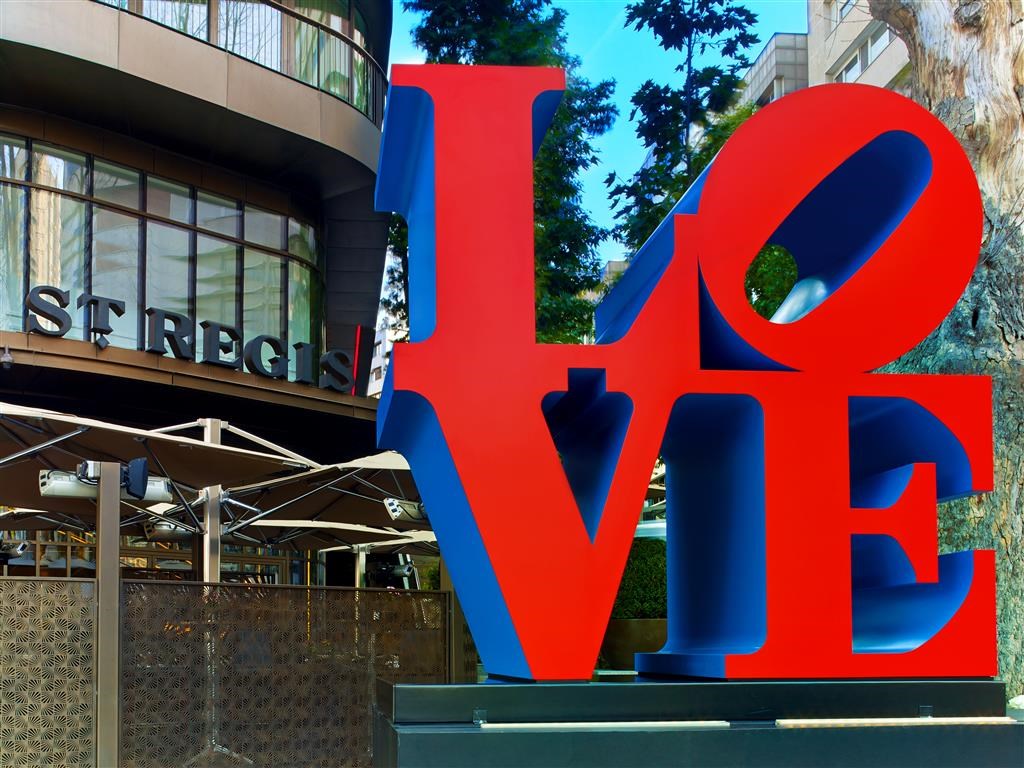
pixel 531 33
pixel 670 115
pixel 397 275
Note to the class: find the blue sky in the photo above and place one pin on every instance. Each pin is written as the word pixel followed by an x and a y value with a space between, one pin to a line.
pixel 595 33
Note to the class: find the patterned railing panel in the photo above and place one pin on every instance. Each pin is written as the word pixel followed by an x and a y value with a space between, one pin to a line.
pixel 47 673
pixel 279 676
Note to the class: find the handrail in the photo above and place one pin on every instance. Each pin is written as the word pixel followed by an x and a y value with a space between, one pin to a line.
pixel 314 23
pixel 363 91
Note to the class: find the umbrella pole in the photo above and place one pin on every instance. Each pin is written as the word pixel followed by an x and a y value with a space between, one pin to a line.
pixel 210 543
pixel 108 613
pixel 211 512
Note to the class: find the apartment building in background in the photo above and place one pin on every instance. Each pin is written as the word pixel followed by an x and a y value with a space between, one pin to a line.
pixel 846 45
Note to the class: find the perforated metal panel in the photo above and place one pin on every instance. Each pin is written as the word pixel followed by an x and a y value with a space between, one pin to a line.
pixel 279 676
pixel 47 673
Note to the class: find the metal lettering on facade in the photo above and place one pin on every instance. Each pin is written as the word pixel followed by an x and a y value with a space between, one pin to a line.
pixel 174 332
pixel 802 533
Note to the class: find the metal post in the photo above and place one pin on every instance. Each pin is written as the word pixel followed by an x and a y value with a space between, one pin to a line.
pixel 213 22
pixel 360 576
pixel 456 620
pixel 211 512
pixel 108 598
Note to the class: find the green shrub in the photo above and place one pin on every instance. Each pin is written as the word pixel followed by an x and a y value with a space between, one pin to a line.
pixel 643 593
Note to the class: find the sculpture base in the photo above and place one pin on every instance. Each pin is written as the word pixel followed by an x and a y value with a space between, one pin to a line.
pixel 928 723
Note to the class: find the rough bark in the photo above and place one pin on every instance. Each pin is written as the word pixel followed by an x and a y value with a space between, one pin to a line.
pixel 967 61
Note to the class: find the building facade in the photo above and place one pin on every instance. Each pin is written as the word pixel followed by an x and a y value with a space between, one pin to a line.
pixel 779 69
pixel 846 45
pixel 187 231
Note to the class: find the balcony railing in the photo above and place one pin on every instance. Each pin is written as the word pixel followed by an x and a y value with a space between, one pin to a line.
pixel 279 38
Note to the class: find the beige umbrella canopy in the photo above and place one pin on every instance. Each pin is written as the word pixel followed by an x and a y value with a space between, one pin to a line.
pixel 340 506
pixel 33 439
pixel 353 492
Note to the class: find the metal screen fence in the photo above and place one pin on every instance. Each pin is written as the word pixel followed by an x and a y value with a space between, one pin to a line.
pixel 47 673
pixel 258 675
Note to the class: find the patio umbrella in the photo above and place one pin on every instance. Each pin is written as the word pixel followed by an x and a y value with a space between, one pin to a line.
pixel 352 493
pixel 33 439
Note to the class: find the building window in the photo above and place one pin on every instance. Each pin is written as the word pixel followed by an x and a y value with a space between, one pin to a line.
pixel 87 225
pixel 850 71
pixel 56 247
pixel 878 43
pixel 845 6
pixel 377 374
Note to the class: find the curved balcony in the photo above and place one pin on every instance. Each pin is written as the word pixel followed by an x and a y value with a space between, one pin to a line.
pixel 281 39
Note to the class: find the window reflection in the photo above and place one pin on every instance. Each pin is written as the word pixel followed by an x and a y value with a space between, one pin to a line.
pixel 216 278
pixel 59 168
pixel 302 241
pixel 188 16
pixel 167 263
pixel 13 158
pixel 251 29
pixel 261 301
pixel 12 241
pixel 218 214
pixel 115 270
pixel 268 288
pixel 56 246
pixel 300 311
pixel 116 184
pixel 168 199
pixel 264 227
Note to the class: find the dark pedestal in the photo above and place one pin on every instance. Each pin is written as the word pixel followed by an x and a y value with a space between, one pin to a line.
pixel 648 724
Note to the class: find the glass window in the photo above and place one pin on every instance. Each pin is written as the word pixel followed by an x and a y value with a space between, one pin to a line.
pixel 56 243
pixel 13 158
pixel 360 82
pixel 218 214
pixel 851 71
pixel 216 282
pixel 335 66
pixel 330 13
pixel 167 262
pixel 115 270
pixel 188 16
pixel 879 41
pixel 263 227
pixel 261 305
pixel 59 169
pixel 116 184
pixel 83 562
pixel 53 563
pixel 251 29
pixel 845 6
pixel 24 564
pixel 12 256
pixel 302 241
pixel 173 564
pixel 305 64
pixel 170 200
pixel 300 308
pixel 359 28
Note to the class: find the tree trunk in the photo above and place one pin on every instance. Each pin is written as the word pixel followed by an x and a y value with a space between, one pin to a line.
pixel 967 60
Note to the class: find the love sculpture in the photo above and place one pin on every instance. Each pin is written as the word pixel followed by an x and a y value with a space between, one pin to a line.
pixel 801 487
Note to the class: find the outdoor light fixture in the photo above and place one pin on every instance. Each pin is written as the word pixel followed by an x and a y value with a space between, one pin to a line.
pixel 400 509
pixel 6 359
pixel 11 550
pixel 55 483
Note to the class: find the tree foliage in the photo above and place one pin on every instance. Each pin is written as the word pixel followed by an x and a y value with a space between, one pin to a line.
pixel 530 33
pixel 769 279
pixel 643 591
pixel 397 276
pixel 670 115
